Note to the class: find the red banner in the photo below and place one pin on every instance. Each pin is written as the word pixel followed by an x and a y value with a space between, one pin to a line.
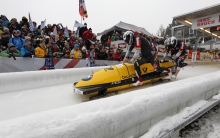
pixel 197 55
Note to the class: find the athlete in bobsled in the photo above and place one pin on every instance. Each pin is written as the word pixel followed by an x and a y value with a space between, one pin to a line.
pixel 179 54
pixel 168 48
pixel 145 53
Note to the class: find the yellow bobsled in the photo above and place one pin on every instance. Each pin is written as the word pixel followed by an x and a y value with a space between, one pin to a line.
pixel 118 77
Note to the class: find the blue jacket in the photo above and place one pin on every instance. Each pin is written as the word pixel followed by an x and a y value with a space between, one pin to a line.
pixel 5 22
pixel 24 51
pixel 17 41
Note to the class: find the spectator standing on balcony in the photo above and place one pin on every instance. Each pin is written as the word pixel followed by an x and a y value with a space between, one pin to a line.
pixel 27 50
pixel 75 52
pixel 16 40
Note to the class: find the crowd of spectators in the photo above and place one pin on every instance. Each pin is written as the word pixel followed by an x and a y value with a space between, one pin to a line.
pixel 17 39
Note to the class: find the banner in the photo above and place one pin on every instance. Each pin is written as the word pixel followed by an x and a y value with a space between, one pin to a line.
pixel 34 64
pixel 207 21
pixel 48 63
pixel 194 55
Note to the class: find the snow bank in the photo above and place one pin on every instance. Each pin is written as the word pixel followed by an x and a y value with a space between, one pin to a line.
pixel 17 81
pixel 125 115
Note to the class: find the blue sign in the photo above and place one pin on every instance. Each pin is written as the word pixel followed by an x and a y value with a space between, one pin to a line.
pixel 48 63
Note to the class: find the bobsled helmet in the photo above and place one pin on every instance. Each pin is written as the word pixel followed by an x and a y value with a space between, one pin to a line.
pixel 128 37
pixel 173 41
pixel 167 41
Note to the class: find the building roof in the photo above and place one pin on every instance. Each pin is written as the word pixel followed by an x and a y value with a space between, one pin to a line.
pixel 197 14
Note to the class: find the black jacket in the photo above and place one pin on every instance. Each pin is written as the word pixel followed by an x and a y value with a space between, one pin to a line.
pixel 146 47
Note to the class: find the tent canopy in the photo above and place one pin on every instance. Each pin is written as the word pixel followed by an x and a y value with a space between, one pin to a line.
pixel 121 26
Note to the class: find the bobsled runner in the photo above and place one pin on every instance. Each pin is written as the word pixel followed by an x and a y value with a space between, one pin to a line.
pixel 118 77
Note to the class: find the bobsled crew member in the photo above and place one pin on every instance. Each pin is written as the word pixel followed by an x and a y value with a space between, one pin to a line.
pixel 142 54
pixel 168 48
pixel 179 54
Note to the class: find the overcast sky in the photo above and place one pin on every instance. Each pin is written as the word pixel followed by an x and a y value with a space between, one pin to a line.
pixel 104 14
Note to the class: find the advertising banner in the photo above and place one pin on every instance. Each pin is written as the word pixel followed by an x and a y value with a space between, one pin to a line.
pixel 207 21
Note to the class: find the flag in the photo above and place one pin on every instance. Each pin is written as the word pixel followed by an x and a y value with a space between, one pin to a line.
pixel 43 24
pixel 66 32
pixel 55 33
pixel 82 9
pixel 31 25
pixel 77 24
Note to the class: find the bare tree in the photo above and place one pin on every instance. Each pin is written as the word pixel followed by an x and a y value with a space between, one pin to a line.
pixel 161 31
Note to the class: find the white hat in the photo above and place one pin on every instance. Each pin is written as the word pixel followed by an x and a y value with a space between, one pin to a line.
pixel 83 48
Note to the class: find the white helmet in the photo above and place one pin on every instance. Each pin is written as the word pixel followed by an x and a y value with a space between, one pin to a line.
pixel 167 41
pixel 128 37
pixel 173 41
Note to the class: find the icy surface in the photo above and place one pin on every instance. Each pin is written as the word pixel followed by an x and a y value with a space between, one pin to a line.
pixel 71 121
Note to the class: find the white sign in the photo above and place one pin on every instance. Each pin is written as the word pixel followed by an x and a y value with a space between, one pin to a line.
pixel 194 56
pixel 207 21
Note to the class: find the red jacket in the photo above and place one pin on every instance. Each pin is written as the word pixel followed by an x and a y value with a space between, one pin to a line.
pixel 87 35
pixel 117 57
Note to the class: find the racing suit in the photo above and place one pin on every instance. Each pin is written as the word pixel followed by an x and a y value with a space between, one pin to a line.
pixel 180 53
pixel 142 55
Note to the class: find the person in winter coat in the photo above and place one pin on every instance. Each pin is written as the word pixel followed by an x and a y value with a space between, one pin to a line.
pixel 4 41
pixel 75 52
pixel 117 56
pixel 16 40
pixel 41 50
pixel 10 52
pixel 27 50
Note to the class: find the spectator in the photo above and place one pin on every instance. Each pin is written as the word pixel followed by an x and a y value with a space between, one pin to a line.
pixel 84 52
pixel 1 27
pixel 41 51
pixel 10 51
pixel 92 57
pixel 117 55
pixel 27 50
pixel 24 21
pixel 87 35
pixel 13 25
pixel 4 41
pixel 56 51
pixel 82 30
pixel 16 40
pixel 102 55
pixel 5 21
pixel 113 37
pixel 75 52
pixel 104 39
pixel 116 36
pixel 66 51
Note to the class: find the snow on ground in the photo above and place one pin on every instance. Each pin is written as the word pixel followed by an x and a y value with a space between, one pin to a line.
pixel 172 121
pixel 28 102
pixel 207 126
